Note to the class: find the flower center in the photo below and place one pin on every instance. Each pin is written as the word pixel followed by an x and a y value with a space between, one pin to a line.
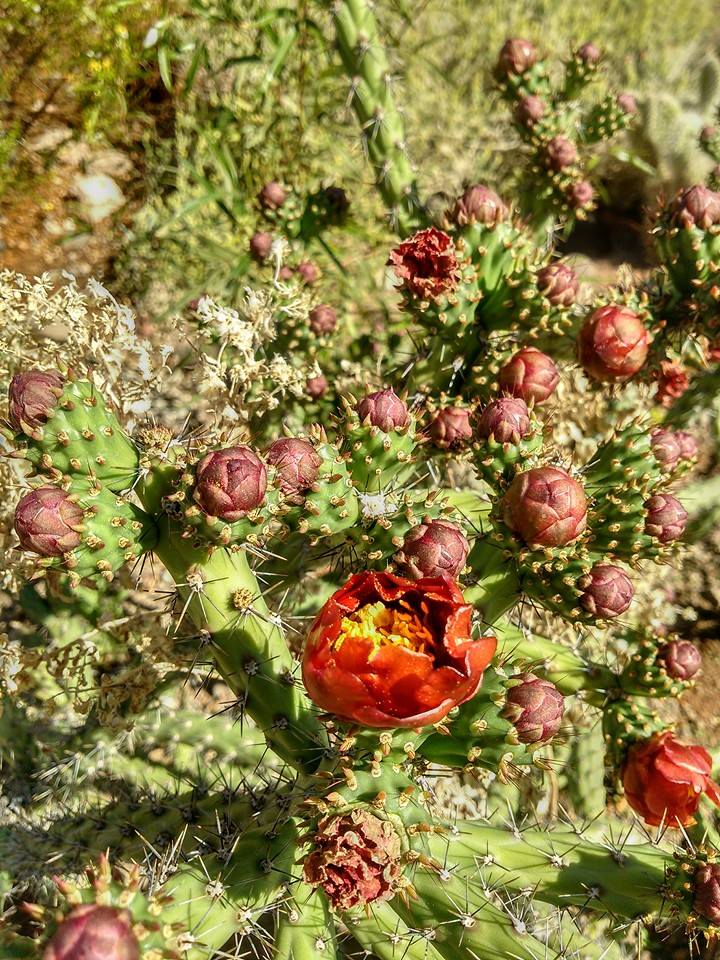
pixel 381 625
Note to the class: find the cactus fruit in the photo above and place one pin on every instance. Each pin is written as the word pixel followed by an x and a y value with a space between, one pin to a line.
pixel 613 344
pixel 94 932
pixel 545 506
pixel 530 375
pixel 535 707
pixel 664 779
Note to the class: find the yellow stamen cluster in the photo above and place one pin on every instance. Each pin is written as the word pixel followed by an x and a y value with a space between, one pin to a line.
pixel 386 625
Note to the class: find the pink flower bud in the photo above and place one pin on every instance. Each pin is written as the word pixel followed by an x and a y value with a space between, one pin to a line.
pixel 272 196
pixel 607 591
pixel 688 445
pixel 535 707
pixel 530 375
pixel 559 283
pixel 529 110
pixel 230 483
pixel 560 153
pixel 383 410
pixel 589 53
pixel 628 104
pixel 33 396
pixel 323 319
pixel 297 463
pixel 516 57
pixel 437 548
pixel 479 204
pixel 94 932
pixel 707 892
pixel 48 522
pixel 580 195
pixel 316 387
pixel 697 206
pixel 665 517
pixel 666 448
pixel 506 420
pixel 260 246
pixel 545 506
pixel 613 344
pixel 450 428
pixel 308 272
pixel 681 659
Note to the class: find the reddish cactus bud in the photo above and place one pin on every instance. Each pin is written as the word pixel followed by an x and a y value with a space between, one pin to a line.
pixel 535 707
pixel 529 110
pixel 272 196
pixel 546 507
pixel 323 319
pixel 308 272
pixel 628 104
pixel 479 204
pixel 559 283
pixel 94 932
pixel 356 859
pixel 32 397
pixel 529 375
pixel 672 382
pixel 613 344
pixel 297 463
pixel 506 420
pixel 589 53
pixel 688 445
pixel 580 195
pixel 48 522
pixel 450 428
pixel 681 659
pixel 434 549
pixel 665 517
pixel 560 153
pixel 666 448
pixel 697 206
pixel 707 892
pixel 607 591
pixel 516 57
pixel 708 134
pixel 316 387
pixel 260 246
pixel 230 483
pixel 426 263
pixel 286 273
pixel 384 410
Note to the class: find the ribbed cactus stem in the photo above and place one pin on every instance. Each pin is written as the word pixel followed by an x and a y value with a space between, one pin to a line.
pixel 367 67
pixel 306 931
pixel 220 594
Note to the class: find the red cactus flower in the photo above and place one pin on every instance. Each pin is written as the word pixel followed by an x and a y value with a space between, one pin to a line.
pixel 505 420
pixel 389 652
pixel 559 283
pixel 529 110
pixel 613 343
pixel 535 707
pixel 607 591
pixel 356 859
pixel 529 374
pixel 437 548
pixel 316 386
pixel 32 397
pixel 545 506
pixel 272 196
pixel 666 448
pixel 260 245
pixel 479 204
pixel 672 382
pixel 697 206
pixel 665 517
pixel 451 428
pixel 48 522
pixel 426 264
pixel 297 463
pixel 681 659
pixel 230 483
pixel 560 153
pixel 94 932
pixel 517 56
pixel 707 892
pixel 323 319
pixel 384 410
pixel 664 779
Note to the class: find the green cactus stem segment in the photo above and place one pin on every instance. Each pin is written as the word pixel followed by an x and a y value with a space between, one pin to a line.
pixel 220 594
pixel 497 589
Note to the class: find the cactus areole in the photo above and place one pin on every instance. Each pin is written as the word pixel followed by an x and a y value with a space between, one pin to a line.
pixel 389 652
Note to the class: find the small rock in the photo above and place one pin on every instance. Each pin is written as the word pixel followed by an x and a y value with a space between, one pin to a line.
pixel 99 196
pixel 113 163
pixel 49 139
